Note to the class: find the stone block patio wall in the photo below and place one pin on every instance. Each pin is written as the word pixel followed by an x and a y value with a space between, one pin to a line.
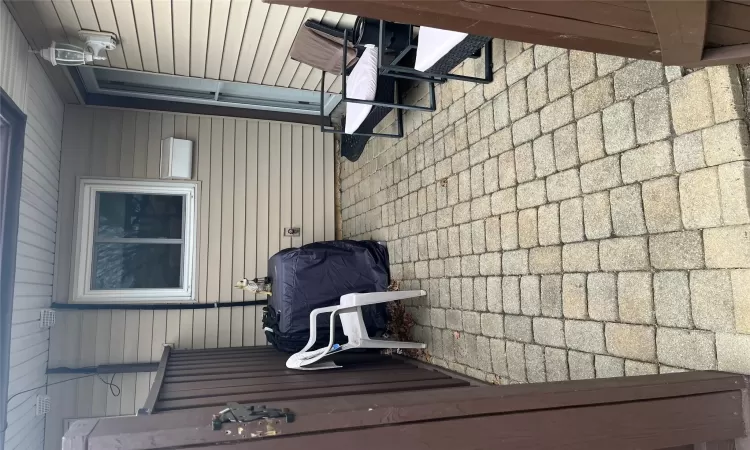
pixel 582 216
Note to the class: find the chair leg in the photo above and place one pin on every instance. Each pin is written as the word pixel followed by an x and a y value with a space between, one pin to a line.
pixel 380 343
pixel 314 327
pixel 489 69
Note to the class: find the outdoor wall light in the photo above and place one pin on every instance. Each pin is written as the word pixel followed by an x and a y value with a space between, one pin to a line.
pixel 73 55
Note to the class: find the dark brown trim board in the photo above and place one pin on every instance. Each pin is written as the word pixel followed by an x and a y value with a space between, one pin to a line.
pixel 651 424
pixel 117 101
pixel 734 54
pixel 681 26
pixel 10 198
pixel 497 19
pixel 674 32
pixel 687 410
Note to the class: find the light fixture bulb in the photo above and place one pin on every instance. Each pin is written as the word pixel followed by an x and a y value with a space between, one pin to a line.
pixel 66 55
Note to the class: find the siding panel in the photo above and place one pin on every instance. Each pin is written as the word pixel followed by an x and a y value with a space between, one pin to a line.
pixel 23 78
pixel 255 177
pixel 280 55
pixel 236 25
pixel 251 229
pixel 163 34
pixel 285 190
pixel 227 227
pixel 217 30
pixel 181 37
pixel 200 16
pixel 270 36
pixel 238 230
pixel 128 34
pixel 107 22
pixel 253 29
pixel 145 25
pixel 214 232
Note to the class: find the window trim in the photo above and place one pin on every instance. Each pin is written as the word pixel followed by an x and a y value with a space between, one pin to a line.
pixel 81 291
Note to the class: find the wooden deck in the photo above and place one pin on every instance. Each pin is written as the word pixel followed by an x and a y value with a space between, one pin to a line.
pixel 190 379
pixel 376 399
pixel 674 32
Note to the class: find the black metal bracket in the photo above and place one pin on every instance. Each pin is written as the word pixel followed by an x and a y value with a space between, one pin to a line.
pixel 234 412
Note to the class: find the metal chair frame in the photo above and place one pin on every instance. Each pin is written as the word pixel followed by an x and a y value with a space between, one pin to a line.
pixel 393 69
pixel 396 105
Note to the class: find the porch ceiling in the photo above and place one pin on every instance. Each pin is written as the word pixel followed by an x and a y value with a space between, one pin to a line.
pixel 232 40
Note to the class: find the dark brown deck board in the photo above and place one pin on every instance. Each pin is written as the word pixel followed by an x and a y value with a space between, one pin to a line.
pixel 360 379
pixel 309 393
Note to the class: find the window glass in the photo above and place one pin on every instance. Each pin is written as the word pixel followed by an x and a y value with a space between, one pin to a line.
pixel 136 240
pixel 137 266
pixel 123 215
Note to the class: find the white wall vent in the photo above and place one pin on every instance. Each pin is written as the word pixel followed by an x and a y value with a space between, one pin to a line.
pixel 176 159
pixel 46 318
pixel 43 405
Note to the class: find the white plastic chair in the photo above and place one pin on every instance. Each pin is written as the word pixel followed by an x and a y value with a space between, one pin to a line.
pixel 350 311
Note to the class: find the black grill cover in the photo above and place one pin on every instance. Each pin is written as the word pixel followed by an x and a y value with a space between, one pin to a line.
pixel 317 275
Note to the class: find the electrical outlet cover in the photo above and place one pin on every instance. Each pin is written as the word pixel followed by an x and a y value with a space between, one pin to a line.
pixel 291 231
pixel 46 318
pixel 43 405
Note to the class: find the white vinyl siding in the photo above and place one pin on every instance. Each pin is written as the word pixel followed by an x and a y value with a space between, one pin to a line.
pixel 255 177
pixel 23 78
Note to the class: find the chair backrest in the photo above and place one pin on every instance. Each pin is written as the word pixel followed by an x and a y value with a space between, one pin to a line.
pixel 321 48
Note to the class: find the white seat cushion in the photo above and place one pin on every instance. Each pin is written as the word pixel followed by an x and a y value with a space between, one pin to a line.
pixel 361 84
pixel 433 44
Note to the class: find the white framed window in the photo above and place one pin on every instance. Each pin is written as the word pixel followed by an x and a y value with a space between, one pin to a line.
pixel 135 241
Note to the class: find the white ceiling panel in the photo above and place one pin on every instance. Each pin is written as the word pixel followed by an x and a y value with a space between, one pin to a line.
pixel 231 40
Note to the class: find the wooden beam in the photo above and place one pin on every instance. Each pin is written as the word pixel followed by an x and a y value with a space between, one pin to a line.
pixel 681 25
pixel 733 54
pixel 730 14
pixel 706 407
pixel 646 424
pixel 501 13
pixel 492 18
pixel 595 12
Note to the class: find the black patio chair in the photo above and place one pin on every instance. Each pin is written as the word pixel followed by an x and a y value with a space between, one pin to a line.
pixel 469 47
pixel 387 98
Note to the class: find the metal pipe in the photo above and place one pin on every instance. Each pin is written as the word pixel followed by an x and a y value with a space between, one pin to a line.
pixel 104 369
pixel 155 307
